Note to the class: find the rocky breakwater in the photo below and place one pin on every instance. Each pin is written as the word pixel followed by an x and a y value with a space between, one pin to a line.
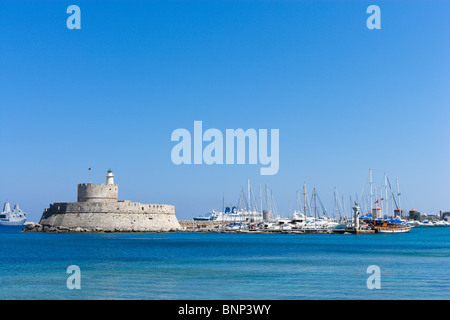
pixel 37 227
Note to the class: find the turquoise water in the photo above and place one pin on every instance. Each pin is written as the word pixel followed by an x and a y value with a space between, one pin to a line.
pixel 225 266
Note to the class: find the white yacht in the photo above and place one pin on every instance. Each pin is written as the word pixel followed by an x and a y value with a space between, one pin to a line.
pixel 427 223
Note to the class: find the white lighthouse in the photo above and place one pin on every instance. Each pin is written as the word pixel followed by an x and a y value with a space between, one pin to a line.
pixel 110 177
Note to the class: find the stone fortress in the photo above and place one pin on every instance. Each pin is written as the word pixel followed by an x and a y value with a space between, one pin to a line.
pixel 98 210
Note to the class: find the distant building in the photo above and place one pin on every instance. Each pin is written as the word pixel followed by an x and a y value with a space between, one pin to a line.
pixel 398 212
pixel 414 214
pixel 376 213
pixel 445 215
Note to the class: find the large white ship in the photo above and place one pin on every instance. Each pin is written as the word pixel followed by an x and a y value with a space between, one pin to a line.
pixel 246 210
pixel 231 214
pixel 16 217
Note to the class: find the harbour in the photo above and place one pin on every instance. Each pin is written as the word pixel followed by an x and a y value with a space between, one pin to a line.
pixel 98 209
pixel 380 212
pixel 207 265
pixel 201 226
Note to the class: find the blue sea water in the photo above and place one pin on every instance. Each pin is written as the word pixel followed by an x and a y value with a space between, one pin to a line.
pixel 175 266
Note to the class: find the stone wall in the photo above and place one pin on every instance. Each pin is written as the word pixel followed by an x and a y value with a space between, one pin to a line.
pixel 95 192
pixel 192 224
pixel 118 216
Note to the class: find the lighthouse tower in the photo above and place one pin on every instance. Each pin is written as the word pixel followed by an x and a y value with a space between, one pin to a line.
pixel 110 177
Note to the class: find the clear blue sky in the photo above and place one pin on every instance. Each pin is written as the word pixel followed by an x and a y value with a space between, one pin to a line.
pixel 345 98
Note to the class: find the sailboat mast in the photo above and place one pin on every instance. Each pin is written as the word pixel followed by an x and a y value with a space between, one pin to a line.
pixel 289 208
pixel 273 203
pixel 304 200
pixel 248 195
pixel 386 194
pixel 398 195
pixel 371 192
pixel 335 204
pixel 315 207
pixel 381 201
pixel 260 196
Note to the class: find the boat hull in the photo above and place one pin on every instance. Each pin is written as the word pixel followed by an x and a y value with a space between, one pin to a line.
pixel 20 222
pixel 393 230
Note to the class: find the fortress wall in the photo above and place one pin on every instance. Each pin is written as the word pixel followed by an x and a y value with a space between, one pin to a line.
pixel 111 216
pixel 95 192
pixel 113 207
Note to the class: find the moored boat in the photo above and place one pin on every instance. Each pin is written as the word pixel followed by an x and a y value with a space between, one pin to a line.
pixel 391 226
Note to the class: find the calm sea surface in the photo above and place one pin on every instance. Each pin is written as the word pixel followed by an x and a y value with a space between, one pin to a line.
pixel 414 265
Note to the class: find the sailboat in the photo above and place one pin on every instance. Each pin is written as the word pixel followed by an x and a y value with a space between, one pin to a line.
pixel 391 226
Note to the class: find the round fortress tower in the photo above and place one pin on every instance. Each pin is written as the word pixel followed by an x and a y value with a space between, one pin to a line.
pixel 94 192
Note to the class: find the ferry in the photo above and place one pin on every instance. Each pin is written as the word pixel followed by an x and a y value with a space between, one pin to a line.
pixel 16 217
pixel 231 214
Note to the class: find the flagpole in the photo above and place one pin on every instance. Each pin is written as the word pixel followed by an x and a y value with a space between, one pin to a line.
pixel 371 199
pixel 398 195
pixel 386 194
pixel 381 202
